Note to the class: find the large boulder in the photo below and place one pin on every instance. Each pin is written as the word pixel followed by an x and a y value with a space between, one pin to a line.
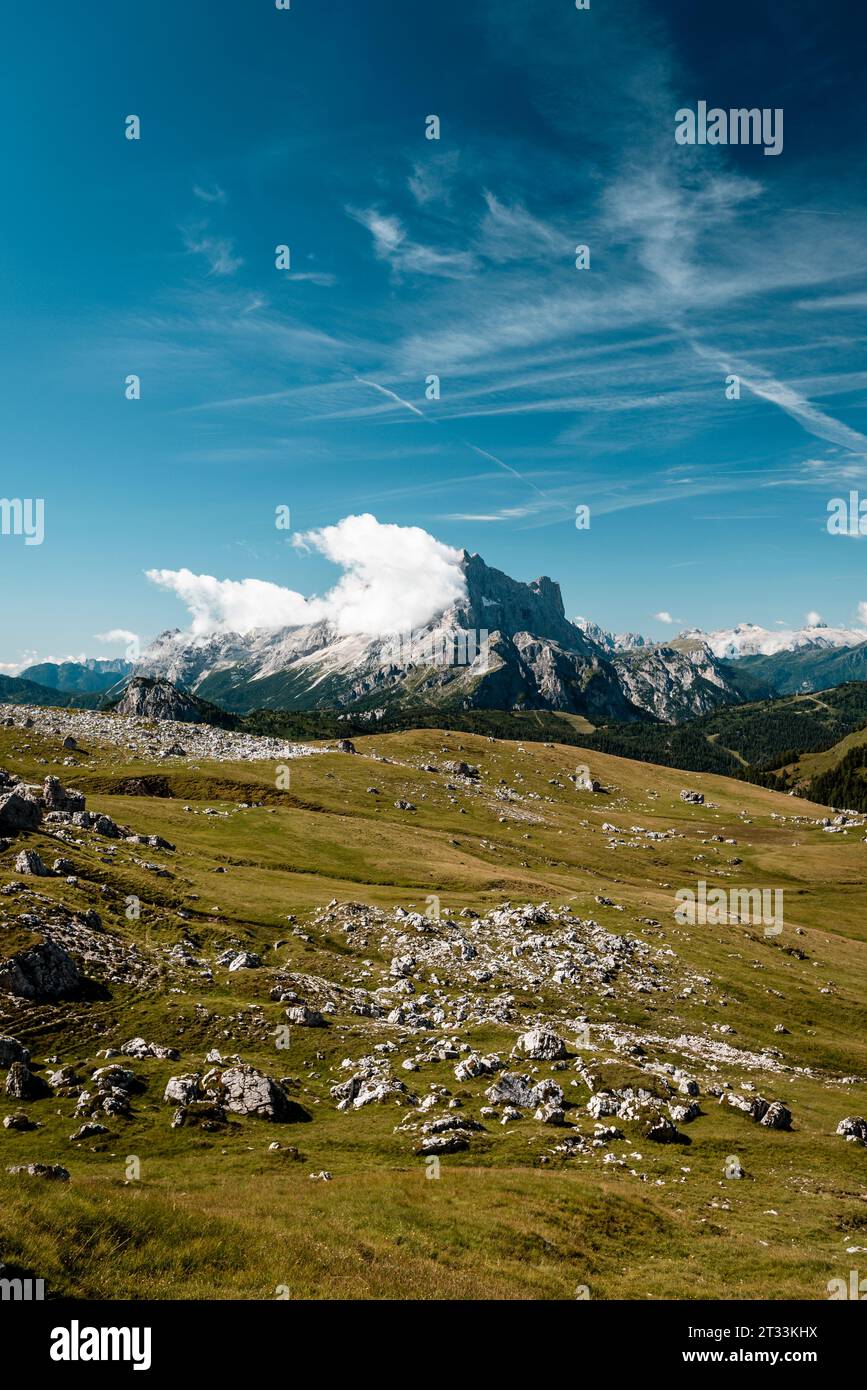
pixel 29 862
pixel 11 1050
pixel 246 1091
pixel 18 812
pixel 853 1129
pixel 21 1084
pixel 304 1017
pixel 52 1171
pixel 542 1044
pixel 41 971
pixel 513 1088
pixel 56 797
pixel 183 1090
pixel 777 1116
pixel 137 1047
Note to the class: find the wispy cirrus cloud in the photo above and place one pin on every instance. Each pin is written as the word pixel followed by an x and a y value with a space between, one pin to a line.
pixel 218 251
pixel 392 243
pixel 214 194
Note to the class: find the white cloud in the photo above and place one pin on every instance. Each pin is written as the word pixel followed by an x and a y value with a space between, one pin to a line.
pixel 116 634
pixel 216 194
pixel 391 243
pixel 313 277
pixel 813 619
pixel 664 617
pixel 218 251
pixel 33 658
pixel 862 613
pixel 430 179
pixel 396 578
pixel 511 233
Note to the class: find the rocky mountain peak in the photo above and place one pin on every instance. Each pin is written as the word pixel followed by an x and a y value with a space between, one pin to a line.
pixel 159 699
pixel 499 603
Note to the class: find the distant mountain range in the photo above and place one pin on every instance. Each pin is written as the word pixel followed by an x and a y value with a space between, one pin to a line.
pixel 746 639
pixel 506 645
pixel 78 676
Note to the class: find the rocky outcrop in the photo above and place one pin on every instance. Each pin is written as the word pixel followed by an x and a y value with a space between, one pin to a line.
pixel 676 680
pixel 18 812
pixel 41 971
pixel 159 700
pixel 853 1129
pixel 11 1050
pixel 56 797
pixel 240 1089
pixel 542 1044
pixel 137 1047
pixel 53 1171
pixel 30 862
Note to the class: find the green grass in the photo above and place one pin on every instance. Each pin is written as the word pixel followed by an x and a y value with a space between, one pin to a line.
pixel 217 1215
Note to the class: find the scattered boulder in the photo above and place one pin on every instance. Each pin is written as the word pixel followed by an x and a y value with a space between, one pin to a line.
pixel 30 862
pixel 41 1170
pixel 246 1091
pixel 853 1129
pixel 304 1017
pixel 551 1114
pixel 11 1050
pixel 19 1121
pixel 519 1091
pixel 18 812
pixel 40 972
pixel 182 1090
pixel 777 1116
pixel 541 1044
pixel 661 1130
pixel 137 1047
pixel 453 1143
pixel 239 960
pixel 55 797
pixel 21 1084
pixel 754 1106
pixel 684 1114
pixel 89 1130
pixel 473 1066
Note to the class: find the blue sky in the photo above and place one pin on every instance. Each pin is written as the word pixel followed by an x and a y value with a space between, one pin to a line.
pixel 412 257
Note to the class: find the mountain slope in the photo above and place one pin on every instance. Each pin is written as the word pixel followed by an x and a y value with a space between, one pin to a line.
pixel 808 669
pixel 676 680
pixel 506 645
pixel 383 919
pixel 15 690
pixel 143 698
pixel 78 677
